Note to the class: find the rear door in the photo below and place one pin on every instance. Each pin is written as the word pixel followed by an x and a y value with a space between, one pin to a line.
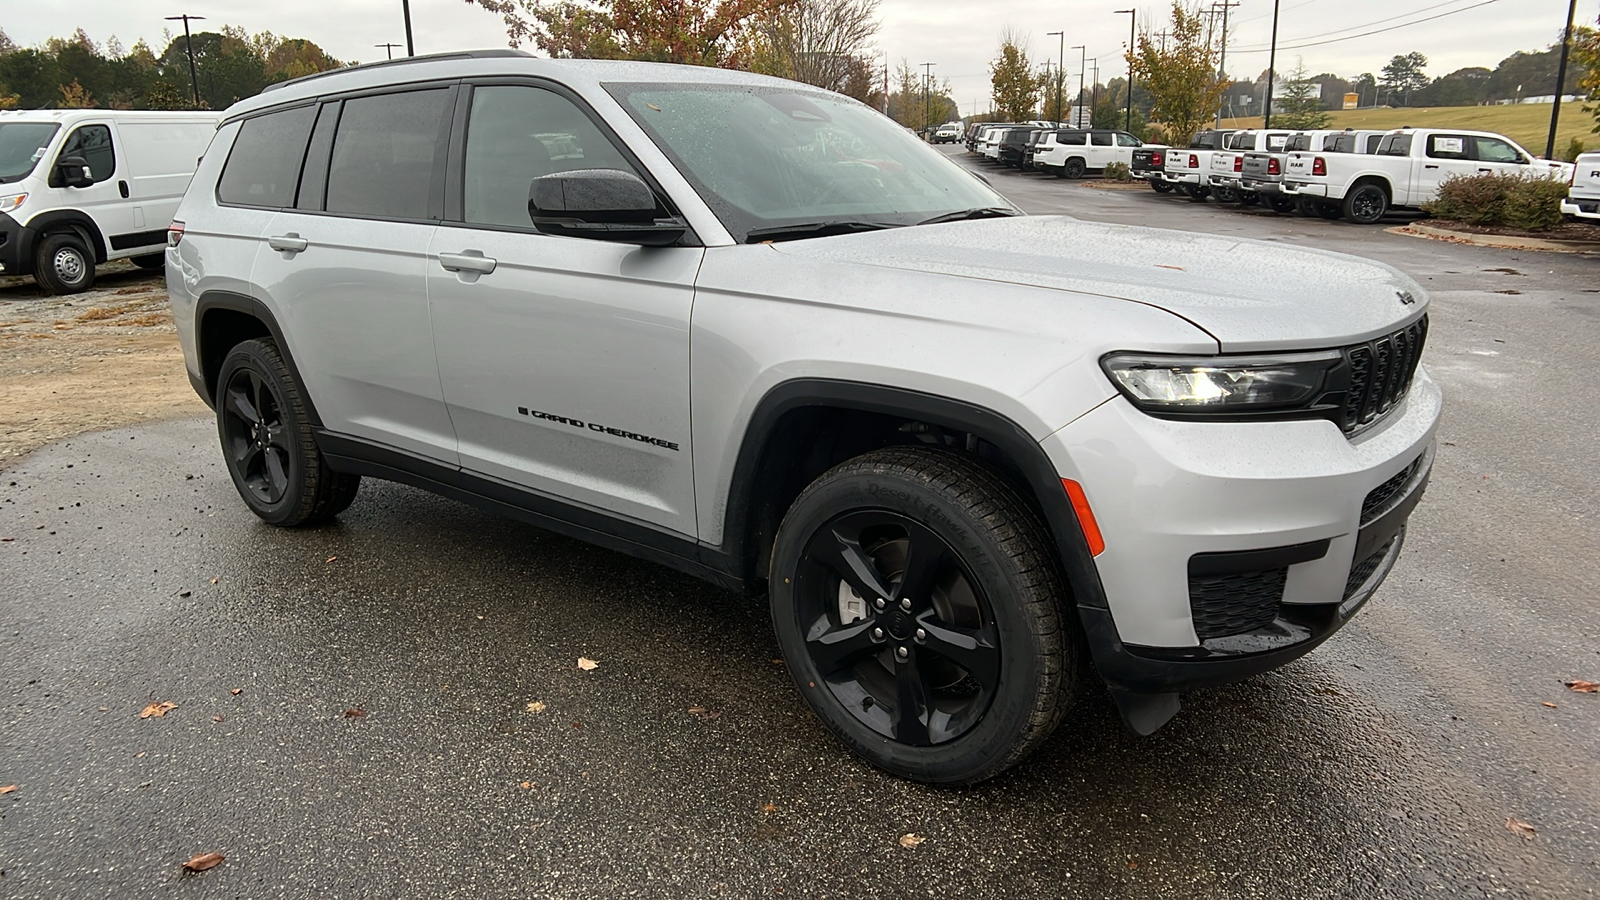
pixel 565 361
pixel 1100 149
pixel 344 269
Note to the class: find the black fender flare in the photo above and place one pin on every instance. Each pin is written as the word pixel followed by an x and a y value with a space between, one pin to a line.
pixel 211 301
pixel 1039 474
pixel 76 221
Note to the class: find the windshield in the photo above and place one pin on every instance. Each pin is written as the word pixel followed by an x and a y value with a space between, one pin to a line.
pixel 767 157
pixel 22 145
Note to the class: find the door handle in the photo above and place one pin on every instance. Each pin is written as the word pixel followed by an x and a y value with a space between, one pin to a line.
pixel 467 261
pixel 1485 170
pixel 122 188
pixel 289 243
pixel 1430 166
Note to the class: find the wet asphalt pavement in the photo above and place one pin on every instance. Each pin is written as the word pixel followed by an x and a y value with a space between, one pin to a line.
pixel 381 742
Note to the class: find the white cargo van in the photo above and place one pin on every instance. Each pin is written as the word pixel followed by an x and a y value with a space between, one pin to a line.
pixel 79 187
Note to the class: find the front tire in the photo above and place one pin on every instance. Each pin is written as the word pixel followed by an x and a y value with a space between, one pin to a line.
pixel 267 442
pixel 63 265
pixel 920 608
pixel 1366 204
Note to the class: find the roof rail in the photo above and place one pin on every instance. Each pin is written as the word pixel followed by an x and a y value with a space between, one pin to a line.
pixel 502 53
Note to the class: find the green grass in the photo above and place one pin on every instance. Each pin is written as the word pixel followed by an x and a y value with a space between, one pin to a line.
pixel 1528 124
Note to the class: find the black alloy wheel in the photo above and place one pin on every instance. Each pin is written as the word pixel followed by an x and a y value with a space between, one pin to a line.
pixel 919 608
pixel 1162 187
pixel 1366 204
pixel 1074 168
pixel 1227 195
pixel 1282 205
pixel 267 442
pixel 1195 192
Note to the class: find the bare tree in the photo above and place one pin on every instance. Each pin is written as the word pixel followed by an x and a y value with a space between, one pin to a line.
pixel 822 42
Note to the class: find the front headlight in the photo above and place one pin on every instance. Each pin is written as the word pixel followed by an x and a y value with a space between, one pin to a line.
pixel 1222 385
pixel 11 202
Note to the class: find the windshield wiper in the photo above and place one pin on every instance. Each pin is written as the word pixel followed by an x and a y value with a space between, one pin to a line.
pixel 812 229
pixel 983 212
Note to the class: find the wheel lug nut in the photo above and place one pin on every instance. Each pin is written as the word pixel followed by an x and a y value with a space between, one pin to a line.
pixel 901 653
pixel 922 635
pixel 877 634
pixel 906 604
pixel 878 603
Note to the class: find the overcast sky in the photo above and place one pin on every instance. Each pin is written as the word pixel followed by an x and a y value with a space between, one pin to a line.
pixel 961 36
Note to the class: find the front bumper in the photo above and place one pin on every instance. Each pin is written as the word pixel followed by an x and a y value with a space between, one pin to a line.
pixel 16 245
pixel 1581 207
pixel 1287 498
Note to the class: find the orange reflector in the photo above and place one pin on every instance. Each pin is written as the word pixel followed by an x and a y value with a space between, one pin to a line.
pixel 1080 505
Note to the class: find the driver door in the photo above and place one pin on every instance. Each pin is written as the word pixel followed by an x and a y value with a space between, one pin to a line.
pixel 564 361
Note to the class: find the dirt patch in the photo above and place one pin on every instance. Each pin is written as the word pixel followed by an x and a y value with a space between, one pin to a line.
pixel 100 359
pixel 1566 231
pixel 1104 185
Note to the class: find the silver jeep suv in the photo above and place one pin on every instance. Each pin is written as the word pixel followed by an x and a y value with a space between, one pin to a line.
pixel 757 332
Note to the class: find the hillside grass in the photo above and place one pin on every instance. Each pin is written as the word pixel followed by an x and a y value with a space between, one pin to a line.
pixel 1528 124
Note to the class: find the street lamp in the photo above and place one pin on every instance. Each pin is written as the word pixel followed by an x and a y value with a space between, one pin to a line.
pixel 405 7
pixel 194 78
pixel 1061 66
pixel 927 84
pixel 1083 66
pixel 1094 90
pixel 1561 80
pixel 1133 19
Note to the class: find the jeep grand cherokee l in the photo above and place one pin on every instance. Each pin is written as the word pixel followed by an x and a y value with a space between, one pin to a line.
pixel 757 332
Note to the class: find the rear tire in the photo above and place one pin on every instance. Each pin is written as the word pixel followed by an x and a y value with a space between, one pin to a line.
pixel 1227 195
pixel 1074 168
pixel 1161 187
pixel 1281 205
pixel 1195 192
pixel 918 580
pixel 267 442
pixel 1366 204
pixel 63 265
pixel 1329 211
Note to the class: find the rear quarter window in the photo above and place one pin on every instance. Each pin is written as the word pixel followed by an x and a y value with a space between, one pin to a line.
pixel 264 164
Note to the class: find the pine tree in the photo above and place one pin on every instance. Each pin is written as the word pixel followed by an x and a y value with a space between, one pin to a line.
pixel 1300 108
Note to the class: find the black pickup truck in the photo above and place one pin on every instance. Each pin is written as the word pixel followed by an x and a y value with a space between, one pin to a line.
pixel 1148 164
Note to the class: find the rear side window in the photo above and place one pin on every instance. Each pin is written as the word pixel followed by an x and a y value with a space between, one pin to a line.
pixel 384 152
pixel 1298 142
pixel 1073 138
pixel 264 164
pixel 1395 145
pixel 1275 141
pixel 1372 143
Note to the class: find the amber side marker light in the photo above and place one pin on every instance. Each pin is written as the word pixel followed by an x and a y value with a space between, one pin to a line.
pixel 1080 506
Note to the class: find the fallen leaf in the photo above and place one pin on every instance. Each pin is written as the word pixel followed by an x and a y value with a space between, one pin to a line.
pixel 331 558
pixel 770 807
pixel 216 718
pixel 204 861
pixel 8 789
pixel 140 754
pixel 1519 827
pixel 1583 687
pixel 703 713
pixel 214 581
pixel 536 707
pixel 911 841
pixel 236 691
pixel 587 664
pixel 527 785
pixel 777 662
pixel 157 709
pixel 1174 268
pixel 355 713
pixel 1549 704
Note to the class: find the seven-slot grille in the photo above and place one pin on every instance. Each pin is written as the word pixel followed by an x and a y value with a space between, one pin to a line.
pixel 1380 374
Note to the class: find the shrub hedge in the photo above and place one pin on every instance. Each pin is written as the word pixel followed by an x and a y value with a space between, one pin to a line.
pixel 1500 199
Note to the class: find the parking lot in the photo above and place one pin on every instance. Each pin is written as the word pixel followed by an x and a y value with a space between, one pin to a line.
pixel 392 706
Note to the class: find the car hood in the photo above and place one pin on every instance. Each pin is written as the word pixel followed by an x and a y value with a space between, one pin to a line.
pixel 1248 295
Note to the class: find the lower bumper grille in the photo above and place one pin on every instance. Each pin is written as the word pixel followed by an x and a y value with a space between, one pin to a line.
pixel 1224 605
pixel 1363 570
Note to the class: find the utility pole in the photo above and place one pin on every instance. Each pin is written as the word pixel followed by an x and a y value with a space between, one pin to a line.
pixel 927 82
pixel 1061 68
pixel 405 7
pixel 1272 70
pixel 1561 80
pixel 1133 20
pixel 1222 64
pixel 1094 90
pixel 1083 63
pixel 188 43
pixel 388 48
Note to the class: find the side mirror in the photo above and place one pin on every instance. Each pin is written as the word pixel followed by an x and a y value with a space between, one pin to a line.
pixel 75 172
pixel 601 204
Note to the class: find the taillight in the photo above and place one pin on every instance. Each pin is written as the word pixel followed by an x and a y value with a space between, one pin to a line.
pixel 1194 161
pixel 1238 164
pixel 1158 159
pixel 174 233
pixel 1273 167
pixel 1319 166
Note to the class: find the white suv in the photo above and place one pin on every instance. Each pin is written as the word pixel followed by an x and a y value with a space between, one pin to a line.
pixel 757 332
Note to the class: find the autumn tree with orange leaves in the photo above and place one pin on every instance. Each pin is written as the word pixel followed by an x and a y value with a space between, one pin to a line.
pixel 696 32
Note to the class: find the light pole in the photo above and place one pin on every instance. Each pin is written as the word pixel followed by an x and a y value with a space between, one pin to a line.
pixel 1083 67
pixel 1133 20
pixel 405 7
pixel 1222 64
pixel 1061 66
pixel 388 48
pixel 927 84
pixel 188 43
pixel 1272 70
pixel 1094 89
pixel 1561 80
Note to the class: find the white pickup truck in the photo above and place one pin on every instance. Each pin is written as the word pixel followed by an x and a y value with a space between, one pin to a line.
pixel 1261 173
pixel 1407 169
pixel 1583 198
pixel 1189 168
pixel 1227 165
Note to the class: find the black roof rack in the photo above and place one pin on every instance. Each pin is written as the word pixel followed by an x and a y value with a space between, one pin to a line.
pixel 502 53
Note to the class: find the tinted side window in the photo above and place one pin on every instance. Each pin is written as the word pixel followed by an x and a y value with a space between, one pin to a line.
pixel 93 143
pixel 1125 139
pixel 516 134
pixel 1448 146
pixel 1343 143
pixel 1074 139
pixel 264 164
pixel 1100 139
pixel 1372 142
pixel 383 154
pixel 1395 145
